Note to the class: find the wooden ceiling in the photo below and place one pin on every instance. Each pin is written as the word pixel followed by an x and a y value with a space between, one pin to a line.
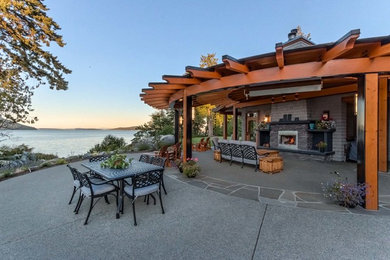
pixel 225 84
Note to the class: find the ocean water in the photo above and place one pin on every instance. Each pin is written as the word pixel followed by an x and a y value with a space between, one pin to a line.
pixel 63 142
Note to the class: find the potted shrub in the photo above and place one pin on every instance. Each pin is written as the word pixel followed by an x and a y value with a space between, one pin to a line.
pixel 321 146
pixel 191 167
pixel 116 161
pixel 345 194
pixel 325 124
pixel 263 126
pixel 179 164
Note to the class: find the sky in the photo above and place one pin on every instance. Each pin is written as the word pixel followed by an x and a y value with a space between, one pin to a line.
pixel 115 48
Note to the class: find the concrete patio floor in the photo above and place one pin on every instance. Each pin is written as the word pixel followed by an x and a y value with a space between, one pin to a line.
pixel 37 223
pixel 298 185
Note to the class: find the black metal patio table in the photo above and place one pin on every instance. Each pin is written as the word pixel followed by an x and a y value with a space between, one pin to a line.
pixel 135 168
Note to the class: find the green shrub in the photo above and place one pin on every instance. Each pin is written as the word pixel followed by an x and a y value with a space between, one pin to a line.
pixel 61 161
pixel 45 156
pixel 9 151
pixel 7 173
pixel 109 143
pixel 143 147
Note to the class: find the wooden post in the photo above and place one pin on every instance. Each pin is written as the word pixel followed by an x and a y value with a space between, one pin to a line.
pixel 257 132
pixel 360 124
pixel 371 140
pixel 235 126
pixel 176 126
pixel 382 137
pixel 225 122
pixel 187 126
pixel 244 125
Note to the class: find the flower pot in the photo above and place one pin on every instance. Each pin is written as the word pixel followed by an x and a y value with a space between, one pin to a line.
pixel 312 126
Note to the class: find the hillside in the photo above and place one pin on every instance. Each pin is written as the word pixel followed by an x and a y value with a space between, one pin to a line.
pixel 125 128
pixel 17 126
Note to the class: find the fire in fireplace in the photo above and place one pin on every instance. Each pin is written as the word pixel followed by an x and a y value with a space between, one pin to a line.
pixel 288 139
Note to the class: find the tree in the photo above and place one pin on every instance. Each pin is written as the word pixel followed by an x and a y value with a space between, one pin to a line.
pixel 205 62
pixel 25 63
pixel 300 33
pixel 161 123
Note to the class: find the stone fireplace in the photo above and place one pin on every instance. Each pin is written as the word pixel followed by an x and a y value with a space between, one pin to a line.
pixel 289 126
pixel 288 139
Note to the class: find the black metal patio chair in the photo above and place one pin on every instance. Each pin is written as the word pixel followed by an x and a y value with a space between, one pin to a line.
pixel 226 152
pixel 77 185
pixel 99 158
pixel 145 158
pixel 250 155
pixel 144 185
pixel 94 190
pixel 160 161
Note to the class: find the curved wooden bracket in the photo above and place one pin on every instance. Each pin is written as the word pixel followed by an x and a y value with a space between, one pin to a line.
pixel 346 43
pixel 202 73
pixel 279 55
pixel 233 65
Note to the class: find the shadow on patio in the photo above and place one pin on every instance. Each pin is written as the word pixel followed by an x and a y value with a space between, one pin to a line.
pixel 298 185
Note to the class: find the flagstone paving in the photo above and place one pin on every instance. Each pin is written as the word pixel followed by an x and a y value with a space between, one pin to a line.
pixel 218 177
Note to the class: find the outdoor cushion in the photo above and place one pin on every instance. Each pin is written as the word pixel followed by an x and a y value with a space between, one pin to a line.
pixel 234 142
pixel 97 189
pixel 141 191
pixel 248 161
pixel 225 156
pixel 76 183
pixel 237 159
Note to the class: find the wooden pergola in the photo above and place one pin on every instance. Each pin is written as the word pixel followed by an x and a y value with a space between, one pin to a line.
pixel 349 65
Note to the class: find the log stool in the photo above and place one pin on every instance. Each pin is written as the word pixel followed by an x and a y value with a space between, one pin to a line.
pixel 217 155
pixel 268 153
pixel 271 164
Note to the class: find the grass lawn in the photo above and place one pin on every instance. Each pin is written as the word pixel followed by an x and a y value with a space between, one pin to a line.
pixel 196 140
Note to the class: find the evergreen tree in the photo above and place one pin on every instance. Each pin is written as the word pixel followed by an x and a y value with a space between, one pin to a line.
pixel 25 34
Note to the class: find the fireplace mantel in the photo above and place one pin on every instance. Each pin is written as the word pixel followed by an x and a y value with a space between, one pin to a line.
pixel 292 122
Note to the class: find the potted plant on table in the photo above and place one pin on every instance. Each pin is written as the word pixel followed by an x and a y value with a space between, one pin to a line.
pixel 322 146
pixel 191 167
pixel 117 161
pixel 345 194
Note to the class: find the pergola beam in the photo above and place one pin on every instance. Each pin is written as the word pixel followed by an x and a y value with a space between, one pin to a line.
pixel 380 51
pixel 180 80
pixel 233 65
pixel 158 91
pixel 163 85
pixel 279 55
pixel 344 44
pixel 305 95
pixel 202 73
